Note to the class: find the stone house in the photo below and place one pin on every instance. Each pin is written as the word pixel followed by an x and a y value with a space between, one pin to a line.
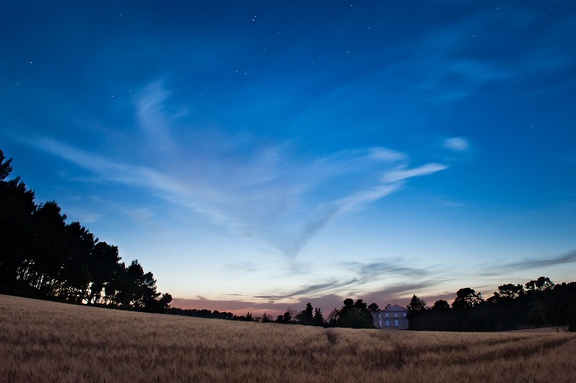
pixel 393 317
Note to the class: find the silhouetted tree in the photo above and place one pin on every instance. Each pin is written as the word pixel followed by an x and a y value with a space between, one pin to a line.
pixel 540 284
pixel 265 318
pixel 318 319
pixel 5 166
pixel 40 269
pixel 360 304
pixel 373 307
pixel 204 313
pixel 305 316
pixel 334 317
pixel 348 303
pixel 75 270
pixel 466 298
pixel 561 305
pixel 437 318
pixel 244 318
pixel 287 317
pixel 16 227
pixel 416 304
pixel 103 261
pixel 166 299
pixel 41 256
pixel 542 303
pixel 415 308
pixel 510 291
pixel 355 315
pixel 441 305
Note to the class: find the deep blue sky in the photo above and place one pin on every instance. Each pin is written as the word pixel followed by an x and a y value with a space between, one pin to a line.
pixel 266 154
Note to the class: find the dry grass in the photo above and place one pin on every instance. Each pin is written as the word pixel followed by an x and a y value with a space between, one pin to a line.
pixel 51 342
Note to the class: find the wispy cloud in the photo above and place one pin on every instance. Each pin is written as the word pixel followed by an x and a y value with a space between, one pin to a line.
pixel 398 293
pixel 241 266
pixel 316 289
pixel 395 292
pixel 458 144
pixel 462 57
pixel 538 263
pixel 386 274
pixel 378 269
pixel 252 187
pixel 151 117
pixel 405 173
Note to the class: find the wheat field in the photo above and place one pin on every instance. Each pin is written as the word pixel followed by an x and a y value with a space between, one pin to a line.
pixel 51 342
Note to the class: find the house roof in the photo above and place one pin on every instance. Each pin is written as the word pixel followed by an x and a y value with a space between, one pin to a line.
pixel 395 308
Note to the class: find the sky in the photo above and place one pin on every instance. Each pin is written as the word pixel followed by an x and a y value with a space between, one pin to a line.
pixel 257 155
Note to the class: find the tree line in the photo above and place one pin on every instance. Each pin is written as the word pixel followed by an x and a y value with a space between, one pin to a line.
pixel 42 256
pixel 537 303
pixel 353 314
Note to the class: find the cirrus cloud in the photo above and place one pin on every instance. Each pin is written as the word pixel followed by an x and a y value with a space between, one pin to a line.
pixel 253 188
pixel 457 144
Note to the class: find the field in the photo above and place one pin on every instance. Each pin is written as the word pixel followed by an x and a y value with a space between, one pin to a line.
pixel 51 342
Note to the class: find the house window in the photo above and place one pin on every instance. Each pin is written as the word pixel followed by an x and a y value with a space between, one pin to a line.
pixel 404 314
pixel 386 315
pixel 396 322
pixel 395 315
pixel 387 323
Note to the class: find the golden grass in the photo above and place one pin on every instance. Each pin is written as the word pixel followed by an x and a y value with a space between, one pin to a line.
pixel 51 342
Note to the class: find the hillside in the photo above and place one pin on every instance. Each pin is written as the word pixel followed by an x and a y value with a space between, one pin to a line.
pixel 44 341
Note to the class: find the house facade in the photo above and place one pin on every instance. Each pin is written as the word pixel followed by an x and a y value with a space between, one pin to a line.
pixel 393 317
